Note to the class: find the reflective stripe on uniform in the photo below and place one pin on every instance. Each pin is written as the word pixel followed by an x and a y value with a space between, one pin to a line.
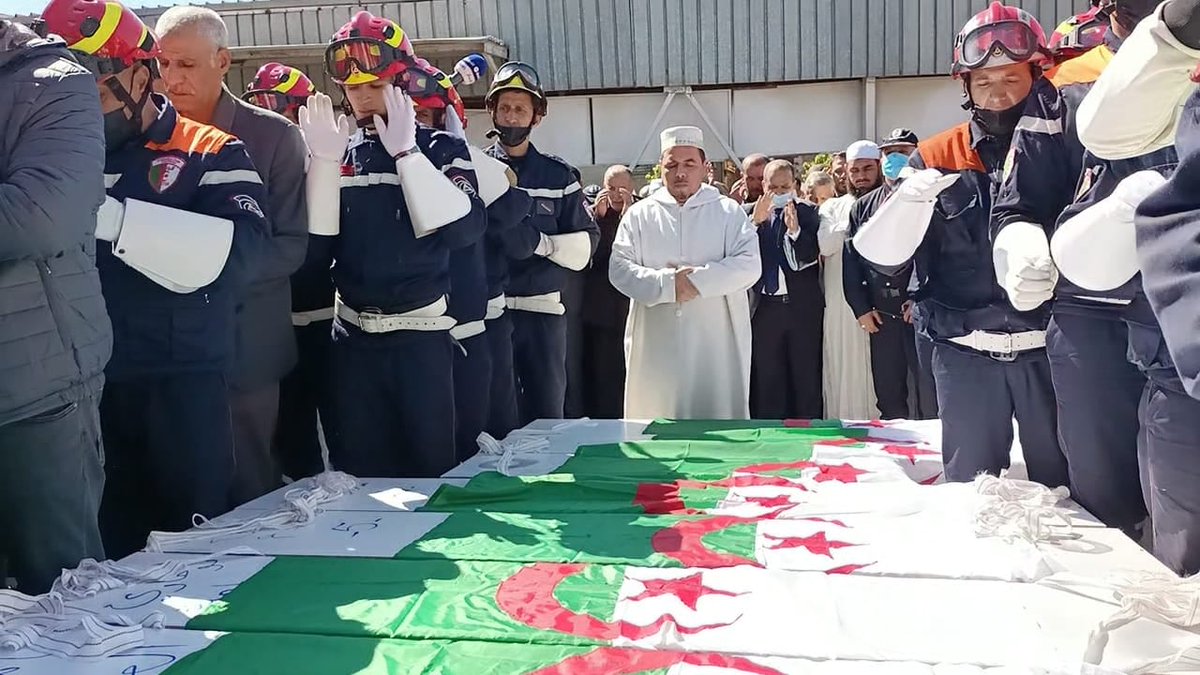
pixel 549 193
pixel 459 163
pixel 227 177
pixel 1038 125
pixel 370 179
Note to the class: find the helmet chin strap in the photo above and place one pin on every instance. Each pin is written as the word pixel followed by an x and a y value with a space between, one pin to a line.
pixel 135 108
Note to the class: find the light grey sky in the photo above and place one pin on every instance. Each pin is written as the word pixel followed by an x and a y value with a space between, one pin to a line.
pixel 36 6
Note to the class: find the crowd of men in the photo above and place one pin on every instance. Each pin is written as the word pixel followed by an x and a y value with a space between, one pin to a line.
pixel 196 288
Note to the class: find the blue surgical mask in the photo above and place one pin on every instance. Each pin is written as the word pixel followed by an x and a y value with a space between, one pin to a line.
pixel 782 200
pixel 893 164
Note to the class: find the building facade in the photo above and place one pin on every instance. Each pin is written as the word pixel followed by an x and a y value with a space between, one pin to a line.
pixel 784 77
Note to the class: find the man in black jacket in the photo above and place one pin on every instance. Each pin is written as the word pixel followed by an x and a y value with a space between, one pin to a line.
pixel 881 302
pixel 788 321
pixel 55 335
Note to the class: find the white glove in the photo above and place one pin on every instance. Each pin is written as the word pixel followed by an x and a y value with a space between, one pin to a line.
pixel 454 124
pixel 545 247
pixel 399 133
pixel 1097 248
pixel 109 219
pixel 924 186
pixel 325 135
pixel 1024 268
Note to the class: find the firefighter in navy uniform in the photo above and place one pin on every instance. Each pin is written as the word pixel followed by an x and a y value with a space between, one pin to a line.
pixel 305 398
pixel 989 356
pixel 440 107
pixel 561 240
pixel 1152 68
pixel 185 224
pixel 1092 332
pixel 393 203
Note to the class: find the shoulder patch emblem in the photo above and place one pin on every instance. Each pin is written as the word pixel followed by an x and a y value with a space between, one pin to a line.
pixel 248 203
pixel 164 171
pixel 462 183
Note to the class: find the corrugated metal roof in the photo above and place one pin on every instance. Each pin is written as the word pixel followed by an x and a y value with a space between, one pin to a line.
pixel 581 45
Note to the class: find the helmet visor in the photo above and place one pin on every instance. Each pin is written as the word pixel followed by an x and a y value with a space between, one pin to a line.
pixel 420 84
pixel 1013 39
pixel 369 57
pixel 517 75
pixel 268 100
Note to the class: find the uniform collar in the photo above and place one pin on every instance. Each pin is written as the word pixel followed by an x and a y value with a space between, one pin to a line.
pixel 164 125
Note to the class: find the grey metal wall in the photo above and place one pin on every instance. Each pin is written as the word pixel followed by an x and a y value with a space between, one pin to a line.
pixel 624 44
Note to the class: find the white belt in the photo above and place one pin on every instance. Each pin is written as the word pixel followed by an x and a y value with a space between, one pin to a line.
pixel 547 303
pixel 1002 343
pixel 468 330
pixel 495 308
pixel 300 319
pixel 428 318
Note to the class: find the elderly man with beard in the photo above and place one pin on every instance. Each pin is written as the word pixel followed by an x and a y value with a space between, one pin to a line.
pixel 688 335
pixel 847 361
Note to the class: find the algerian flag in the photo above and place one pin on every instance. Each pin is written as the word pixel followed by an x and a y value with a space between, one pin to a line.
pixel 928 544
pixel 819 616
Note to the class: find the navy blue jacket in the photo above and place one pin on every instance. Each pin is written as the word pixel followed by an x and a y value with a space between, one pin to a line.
pixel 804 284
pixel 957 276
pixel 1051 177
pixel 1168 239
pixel 508 228
pixel 867 288
pixel 556 208
pixel 192 167
pixel 378 263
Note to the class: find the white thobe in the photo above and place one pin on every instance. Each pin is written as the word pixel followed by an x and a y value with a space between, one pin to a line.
pixel 691 360
pixel 849 389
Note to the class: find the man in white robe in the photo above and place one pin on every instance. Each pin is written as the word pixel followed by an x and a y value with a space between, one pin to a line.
pixel 686 257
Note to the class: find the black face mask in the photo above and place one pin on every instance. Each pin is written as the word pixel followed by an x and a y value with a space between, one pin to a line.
pixel 119 127
pixel 510 137
pixel 999 123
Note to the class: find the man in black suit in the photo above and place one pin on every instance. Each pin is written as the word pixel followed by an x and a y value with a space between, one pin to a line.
pixel 785 380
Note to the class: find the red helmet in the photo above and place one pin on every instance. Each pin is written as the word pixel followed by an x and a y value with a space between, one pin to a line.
pixel 1080 33
pixel 107 36
pixel 279 88
pixel 998 36
pixel 429 87
pixel 368 48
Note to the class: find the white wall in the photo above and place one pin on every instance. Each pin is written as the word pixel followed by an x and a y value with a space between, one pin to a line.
pixel 927 105
pixel 785 120
pixel 622 122
pixel 805 118
pixel 566 130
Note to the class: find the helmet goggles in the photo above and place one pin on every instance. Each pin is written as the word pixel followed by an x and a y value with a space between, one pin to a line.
pixel 360 60
pixel 1013 39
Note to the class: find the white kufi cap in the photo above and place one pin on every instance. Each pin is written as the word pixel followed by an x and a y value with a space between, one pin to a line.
pixel 675 136
pixel 863 150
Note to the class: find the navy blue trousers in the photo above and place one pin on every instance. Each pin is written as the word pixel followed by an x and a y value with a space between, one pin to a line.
pixel 168 454
pixel 1098 392
pixel 979 396
pixel 472 388
pixel 394 402
pixel 502 401
pixel 1170 461
pixel 540 365
pixel 304 395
